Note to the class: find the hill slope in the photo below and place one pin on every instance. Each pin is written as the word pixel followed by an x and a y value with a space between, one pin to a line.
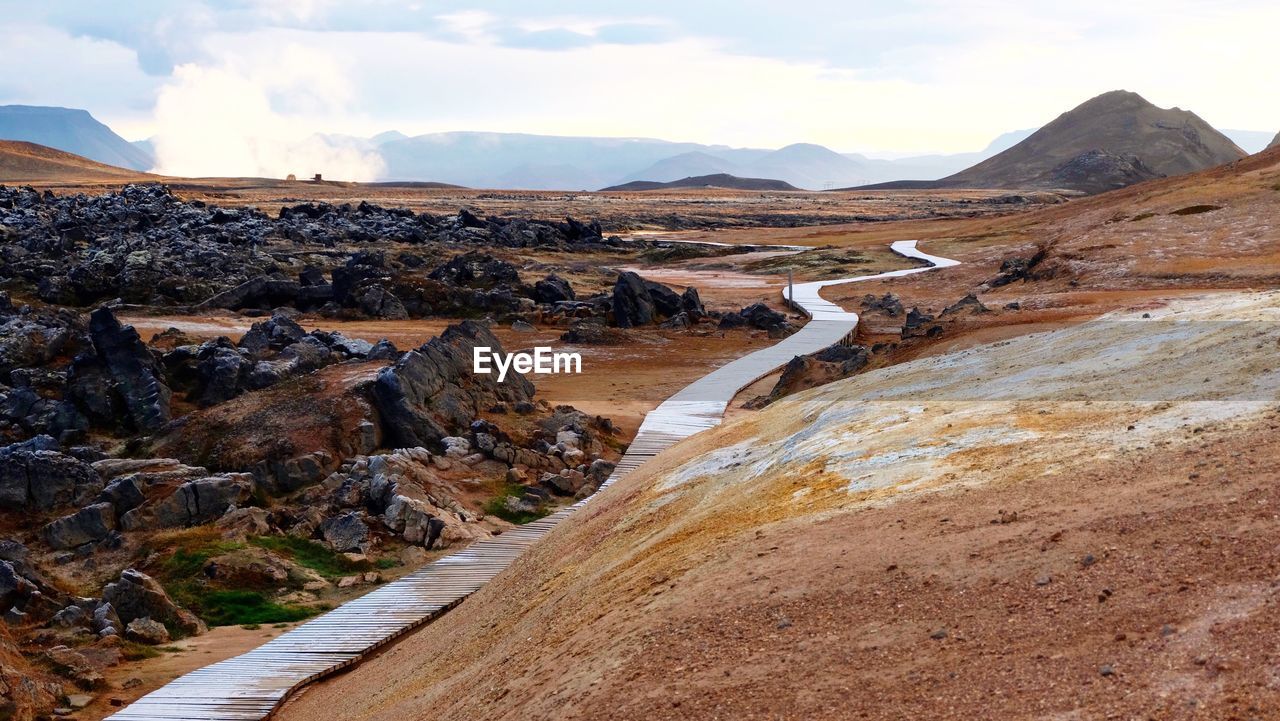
pixel 71 130
pixel 1275 143
pixel 930 540
pixel 1110 141
pixel 23 162
pixel 717 180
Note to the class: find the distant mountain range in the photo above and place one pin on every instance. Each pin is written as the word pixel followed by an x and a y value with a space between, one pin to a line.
pixel 543 162
pixel 74 131
pixel 716 180
pixel 1113 140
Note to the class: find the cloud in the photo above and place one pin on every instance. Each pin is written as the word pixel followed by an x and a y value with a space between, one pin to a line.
pixel 227 120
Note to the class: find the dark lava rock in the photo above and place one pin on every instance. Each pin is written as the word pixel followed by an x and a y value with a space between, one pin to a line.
pixel 632 303
pixel 553 289
pixel 134 372
pixel 433 389
pixel 968 305
pixel 592 331
pixel 919 325
pixel 691 303
pixel 888 304
pixel 476 270
pixel 42 479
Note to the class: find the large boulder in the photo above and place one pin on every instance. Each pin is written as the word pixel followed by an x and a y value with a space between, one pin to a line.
pixel 346 533
pixel 42 479
pixel 691 303
pixel 193 503
pixel 433 390
pixel 89 524
pixel 136 595
pixel 145 630
pixel 553 289
pixel 632 303
pixel 134 372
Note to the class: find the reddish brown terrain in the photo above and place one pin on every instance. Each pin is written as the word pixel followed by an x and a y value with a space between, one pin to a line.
pixel 1101 545
pixel 1090 541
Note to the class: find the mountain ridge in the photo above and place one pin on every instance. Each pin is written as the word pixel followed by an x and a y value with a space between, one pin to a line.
pixel 72 130
pixel 1119 135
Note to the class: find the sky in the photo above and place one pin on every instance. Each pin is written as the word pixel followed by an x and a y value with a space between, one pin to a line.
pixel 225 83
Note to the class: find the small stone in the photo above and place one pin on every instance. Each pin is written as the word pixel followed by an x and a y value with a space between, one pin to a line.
pixel 1088 560
pixel 348 581
pixel 144 630
pixel 132 682
pixel 79 700
pixel 939 634
pixel 1168 630
pixel 1044 580
pixel 1106 669
pixel 784 622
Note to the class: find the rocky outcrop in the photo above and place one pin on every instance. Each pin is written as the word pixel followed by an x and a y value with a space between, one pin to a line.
pixel 193 503
pixel 632 303
pixel 760 316
pixel 42 479
pixel 136 595
pixel 136 377
pixel 553 289
pixel 919 325
pixel 825 366
pixel 89 524
pixel 476 270
pixel 433 389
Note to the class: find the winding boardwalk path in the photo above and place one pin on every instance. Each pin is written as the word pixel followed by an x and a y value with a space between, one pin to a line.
pixel 252 685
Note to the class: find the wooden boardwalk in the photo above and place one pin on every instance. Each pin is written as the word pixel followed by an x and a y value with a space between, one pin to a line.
pixel 252 685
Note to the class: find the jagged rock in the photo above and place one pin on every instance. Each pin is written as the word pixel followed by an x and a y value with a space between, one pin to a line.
pixel 756 315
pixel 476 270
pixel 275 334
pixel 383 350
pixel 345 533
pixel 600 470
pixel 521 326
pixel 679 321
pixel 968 305
pixel 591 331
pixel 1024 269
pixel 433 388
pixel 137 595
pixel 223 374
pixel 41 479
pixel 378 302
pixel 144 630
pixel 91 523
pixel 919 325
pixel 632 303
pixel 888 304
pixel 106 622
pixel 137 379
pixel 193 503
pixel 553 289
pixel 691 303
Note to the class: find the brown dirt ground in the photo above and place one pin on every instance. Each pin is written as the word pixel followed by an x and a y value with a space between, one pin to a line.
pixel 1044 578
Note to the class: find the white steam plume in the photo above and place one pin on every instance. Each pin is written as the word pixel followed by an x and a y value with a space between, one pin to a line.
pixel 226 120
